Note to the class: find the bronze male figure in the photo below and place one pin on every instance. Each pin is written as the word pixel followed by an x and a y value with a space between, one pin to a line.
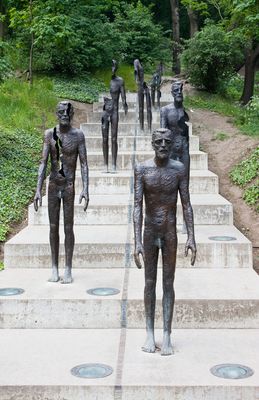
pixel 63 144
pixel 111 116
pixel 156 85
pixel 158 181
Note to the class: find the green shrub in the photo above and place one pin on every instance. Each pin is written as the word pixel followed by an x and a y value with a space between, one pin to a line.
pixel 211 56
pixel 5 65
pixel 246 170
pixel 84 88
pixel 251 195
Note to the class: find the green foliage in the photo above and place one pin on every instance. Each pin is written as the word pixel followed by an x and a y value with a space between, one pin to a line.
pixel 246 170
pixel 124 70
pixel 211 56
pixel 251 195
pixel 143 39
pixel 1 264
pixel 5 65
pixel 21 111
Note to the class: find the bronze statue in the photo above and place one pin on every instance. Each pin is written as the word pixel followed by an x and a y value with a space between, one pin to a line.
pixel 143 91
pixel 174 117
pixel 63 144
pixel 158 181
pixel 156 85
pixel 111 116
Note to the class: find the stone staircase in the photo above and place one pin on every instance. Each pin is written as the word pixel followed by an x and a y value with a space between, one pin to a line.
pixel 51 328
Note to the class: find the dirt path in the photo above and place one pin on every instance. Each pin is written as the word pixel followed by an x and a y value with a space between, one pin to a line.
pixel 223 156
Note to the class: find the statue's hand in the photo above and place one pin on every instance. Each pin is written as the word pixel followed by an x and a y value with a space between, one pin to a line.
pixel 84 195
pixel 139 249
pixel 191 245
pixel 37 200
pixel 125 106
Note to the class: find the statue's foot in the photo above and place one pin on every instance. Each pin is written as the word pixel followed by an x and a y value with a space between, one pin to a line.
pixel 55 276
pixel 149 345
pixel 167 348
pixel 67 278
pixel 113 170
pixel 106 170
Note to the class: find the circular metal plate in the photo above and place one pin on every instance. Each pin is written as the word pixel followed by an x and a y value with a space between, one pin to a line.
pixel 11 291
pixel 222 238
pixel 103 291
pixel 231 371
pixel 92 371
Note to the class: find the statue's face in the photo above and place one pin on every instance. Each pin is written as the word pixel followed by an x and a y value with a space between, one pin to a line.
pixel 162 144
pixel 177 92
pixel 64 113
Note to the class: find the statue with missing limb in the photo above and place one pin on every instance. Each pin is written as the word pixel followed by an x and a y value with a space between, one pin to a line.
pixel 174 117
pixel 143 91
pixel 111 116
pixel 63 144
pixel 158 181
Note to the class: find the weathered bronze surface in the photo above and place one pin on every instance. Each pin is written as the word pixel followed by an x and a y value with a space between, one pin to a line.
pixel 143 92
pixel 110 116
pixel 63 144
pixel 158 181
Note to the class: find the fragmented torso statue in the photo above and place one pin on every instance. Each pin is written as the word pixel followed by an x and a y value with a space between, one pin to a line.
pixel 110 117
pixel 63 144
pixel 156 85
pixel 143 92
pixel 158 181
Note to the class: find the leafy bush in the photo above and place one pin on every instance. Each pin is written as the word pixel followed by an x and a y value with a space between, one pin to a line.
pixel 211 56
pixel 84 88
pixel 246 170
pixel 251 195
pixel 23 113
pixel 5 65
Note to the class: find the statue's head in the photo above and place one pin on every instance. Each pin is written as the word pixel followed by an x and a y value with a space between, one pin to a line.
pixel 108 105
pixel 65 112
pixel 114 67
pixel 138 71
pixel 177 91
pixel 162 142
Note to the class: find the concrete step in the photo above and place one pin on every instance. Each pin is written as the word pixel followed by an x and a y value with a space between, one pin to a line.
pixel 125 129
pixel 142 143
pixel 126 160
pixel 132 97
pixel 111 246
pixel 114 209
pixel 201 182
pixel 38 364
pixel 98 106
pixel 131 116
pixel 204 299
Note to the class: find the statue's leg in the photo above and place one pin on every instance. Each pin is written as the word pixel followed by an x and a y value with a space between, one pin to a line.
pixel 151 258
pixel 158 98
pixel 54 211
pixel 141 107
pixel 105 134
pixel 114 137
pixel 169 258
pixel 68 208
pixel 153 96
pixel 149 111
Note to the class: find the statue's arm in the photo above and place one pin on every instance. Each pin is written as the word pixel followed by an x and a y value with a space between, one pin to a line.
pixel 138 214
pixel 84 169
pixel 42 170
pixel 123 97
pixel 188 215
pixel 163 118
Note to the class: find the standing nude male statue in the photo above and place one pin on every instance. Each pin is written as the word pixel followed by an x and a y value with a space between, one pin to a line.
pixel 156 85
pixel 63 144
pixel 111 117
pixel 158 181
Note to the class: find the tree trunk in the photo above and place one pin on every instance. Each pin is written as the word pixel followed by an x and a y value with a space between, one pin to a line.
pixel 2 27
pixel 250 62
pixel 193 18
pixel 31 50
pixel 175 35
